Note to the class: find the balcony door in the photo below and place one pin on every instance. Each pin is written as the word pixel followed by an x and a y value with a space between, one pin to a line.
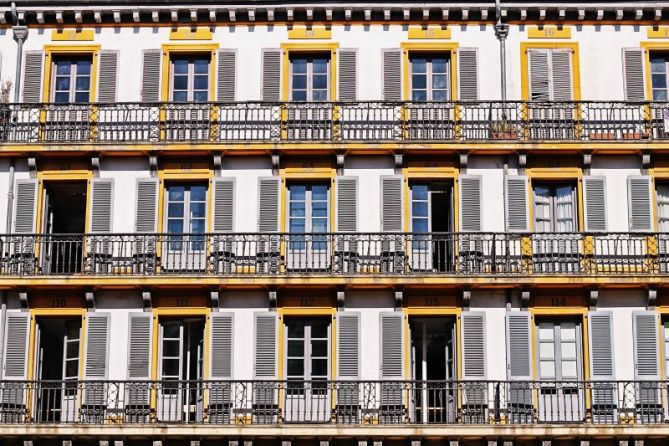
pixel 430 84
pixel 432 226
pixel 662 198
pixel 309 85
pixel 189 83
pixel 185 223
pixel 308 216
pixel 71 78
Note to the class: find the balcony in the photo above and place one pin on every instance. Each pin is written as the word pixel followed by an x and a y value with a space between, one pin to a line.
pixel 337 122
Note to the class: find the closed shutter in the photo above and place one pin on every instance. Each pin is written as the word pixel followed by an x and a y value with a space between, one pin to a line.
pixel 468 74
pixel 348 346
pixel 594 197
pixel 139 346
pixel 639 201
pixel 473 345
pixel 518 346
pixel 221 345
pixel 151 75
pixel 97 346
pixel 271 75
pixel 562 75
pixel 470 203
pixel 268 204
pixel 346 189
pixel 516 203
pixel 102 191
pixel 392 346
pixel 391 203
pixel 16 346
pixel 108 77
pixel 265 345
pixel 347 74
pixel 600 324
pixel 32 76
pixel 633 63
pixel 226 83
pixel 224 205
pixel 146 219
pixel 392 75
pixel 26 207
pixel 646 351
pixel 540 86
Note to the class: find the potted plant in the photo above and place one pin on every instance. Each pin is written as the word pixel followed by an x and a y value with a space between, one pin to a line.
pixel 503 129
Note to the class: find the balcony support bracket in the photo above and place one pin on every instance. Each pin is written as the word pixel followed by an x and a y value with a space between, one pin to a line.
pixel 525 299
pixel 652 298
pixel 645 162
pixel 90 300
pixel 215 302
pixel 218 165
pixel 341 299
pixel 522 161
pixel 585 443
pixel 594 297
pixel 32 167
pixel 399 297
pixel 587 161
pixel 23 300
pixel 153 165
pixel 399 162
pixel 146 300
pixel 545 443
pixel 416 443
pixel 466 299
pixel 271 294
pixel 95 166
pixel 341 158
pixel 276 159
pixel 464 159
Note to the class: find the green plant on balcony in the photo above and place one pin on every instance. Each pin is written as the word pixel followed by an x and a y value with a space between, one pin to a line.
pixel 503 129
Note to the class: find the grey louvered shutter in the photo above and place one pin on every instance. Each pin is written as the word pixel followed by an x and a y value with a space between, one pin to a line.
pixel 562 75
pixel 271 75
pixel 392 346
pixel 646 351
pixel 392 75
pixel 633 65
pixel 265 345
pixel 108 75
pixel 473 345
pixel 226 82
pixel 25 211
pixel 346 189
pixel 139 345
pixel 224 204
pixel 518 346
pixel 600 324
pixel 151 75
pixel 16 346
pixel 221 345
pixel 468 74
pixel 639 202
pixel 96 365
pixel 392 203
pixel 102 193
pixel 516 203
pixel 347 74
pixel 594 197
pixel 269 189
pixel 470 203
pixel 539 75
pixel 348 346
pixel 146 216
pixel 32 76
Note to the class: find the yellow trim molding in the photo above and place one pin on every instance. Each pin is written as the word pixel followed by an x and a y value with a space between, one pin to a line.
pixel 548 32
pixel 202 48
pixel 410 47
pixel 291 48
pixel 648 47
pixel 60 50
pixel 657 32
pixel 311 32
pixel 192 33
pixel 575 65
pixel 73 35
pixel 429 32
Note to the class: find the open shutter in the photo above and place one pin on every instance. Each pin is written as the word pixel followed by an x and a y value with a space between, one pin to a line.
pixel 562 75
pixel 646 351
pixel 139 346
pixel 224 204
pixel 227 75
pixel 391 203
pixel 468 74
pixel 96 364
pixel 32 76
pixel 26 207
pixel 392 346
pixel 600 324
pixel 102 190
pixel 516 203
pixel 16 346
pixel 146 219
pixel 518 346
pixel 347 74
pixel 348 346
pixel 346 189
pixel 268 207
pixel 594 191
pixel 639 201
pixel 108 75
pixel 221 345
pixel 265 345
pixel 470 203
pixel 473 345
pixel 633 63
pixel 271 75
pixel 151 75
pixel 539 75
pixel 392 75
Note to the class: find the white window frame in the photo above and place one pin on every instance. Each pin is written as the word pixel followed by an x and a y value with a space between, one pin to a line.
pixel 73 78
pixel 553 205
pixel 665 56
pixel 307 353
pixel 429 93
pixel 310 73
pixel 557 358
pixel 190 89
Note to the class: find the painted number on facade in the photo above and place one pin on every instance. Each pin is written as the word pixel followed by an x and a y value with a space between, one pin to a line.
pixel 307 301
pixel 431 301
pixel 558 301
pixel 58 302
pixel 182 302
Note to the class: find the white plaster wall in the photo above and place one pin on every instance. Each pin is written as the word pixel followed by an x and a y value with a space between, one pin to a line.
pixel 369 171
pixel 246 171
pixel 616 169
pixel 125 172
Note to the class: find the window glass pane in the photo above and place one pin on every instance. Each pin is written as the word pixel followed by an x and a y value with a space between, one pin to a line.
pixel 72 368
pixel 201 82
pixel 419 81
pixel 547 369
pixel 546 350
pixel 171 367
pixel 320 82
pixel 201 66
pixel 568 350
pixel 72 350
pixel 299 82
pixel 84 67
pixel 419 192
pixel 659 81
pixel 319 348
pixel 81 97
pixel 295 367
pixel 320 329
pixel 180 66
pixel 439 81
pixel 319 367
pixel 418 65
pixel 297 225
pixel 200 96
pixel 63 67
pixel 198 226
pixel 419 209
pixel 569 370
pixel 175 226
pixel 320 95
pixel 62 83
pixel 659 95
pixel 319 209
pixel 83 83
pixel 319 192
pixel 420 225
pixel 319 225
pixel 295 348
pixel 171 349
pixel 546 332
pixel 297 209
pixel 300 95
pixel 657 64
pixel 171 330
pixel 298 192
pixel 198 210
pixel 175 210
pixel 320 66
pixel 440 95
pixel 180 96
pixel 419 95
pixel 198 193
pixel 299 65
pixel 176 193
pixel 568 331
pixel 439 65
pixel 295 329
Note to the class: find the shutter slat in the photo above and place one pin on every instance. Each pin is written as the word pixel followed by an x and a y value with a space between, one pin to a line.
pixel 539 75
pixel 226 82
pixel 594 191
pixel 601 345
pixel 151 75
pixel 468 74
pixel 561 70
pixel 518 346
pixel 392 75
pixel 516 203
pixel 26 207
pixel 108 77
pixel 391 203
pixel 101 205
pixel 271 75
pixel 470 203
pixel 224 204
pixel 97 345
pixel 633 63
pixel 346 189
pixel 473 345
pixel 347 74
pixel 646 352
pixel 348 346
pixel 32 76
pixel 392 346
pixel 268 208
pixel 147 205
pixel 265 345
pixel 16 345
pixel 640 203
pixel 139 346
pixel 221 345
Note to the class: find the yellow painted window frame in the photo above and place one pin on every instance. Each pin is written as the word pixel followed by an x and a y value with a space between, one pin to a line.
pixel 662 313
pixel 524 65
pixel 319 171
pixel 557 174
pixel 647 48
pixel 657 174
pixel 438 173
pixel 170 49
pixel 70 50
pixel 428 47
pixel 288 49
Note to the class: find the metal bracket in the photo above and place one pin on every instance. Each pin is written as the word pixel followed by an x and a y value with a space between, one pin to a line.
pixel 341 299
pixel 153 165
pixel 146 300
pixel 466 299
pixel 20 33
pixel 594 297
pixel 399 297
pixel 276 159
pixel 271 294
pixel 464 159
pixel 90 300
pixel 218 165
pixel 652 297
pixel 645 161
pixel 522 161
pixel 341 158
pixel 587 161
pixel 215 300
pixel 23 300
pixel 399 162
pixel 95 165
pixel 525 299
pixel 32 167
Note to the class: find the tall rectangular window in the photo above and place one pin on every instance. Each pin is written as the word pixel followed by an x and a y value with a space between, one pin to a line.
pixel 663 207
pixel 186 213
pixel 430 77
pixel 310 77
pixel 308 212
pixel 659 65
pixel 190 78
pixel 554 207
pixel 308 346
pixel 71 80
pixel 559 350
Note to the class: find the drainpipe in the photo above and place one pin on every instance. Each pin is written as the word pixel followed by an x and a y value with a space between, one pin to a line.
pixel 10 198
pixel 501 32
pixel 20 35
pixel 3 324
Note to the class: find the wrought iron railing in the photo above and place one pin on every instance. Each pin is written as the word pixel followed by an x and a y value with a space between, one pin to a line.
pixel 345 254
pixel 334 402
pixel 333 121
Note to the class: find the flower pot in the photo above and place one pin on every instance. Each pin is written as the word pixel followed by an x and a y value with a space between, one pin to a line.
pixel 504 135
pixel 632 135
pixel 603 135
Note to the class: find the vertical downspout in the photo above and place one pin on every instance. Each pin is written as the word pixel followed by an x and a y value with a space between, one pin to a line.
pixel 3 318
pixel 20 35
pixel 501 31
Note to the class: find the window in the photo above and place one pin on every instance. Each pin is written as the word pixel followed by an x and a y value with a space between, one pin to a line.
pixel 186 214
pixel 308 213
pixel 659 64
pixel 554 208
pixel 550 74
pixel 308 344
pixel 559 350
pixel 190 78
pixel 310 77
pixel 663 207
pixel 71 80
pixel 429 77
pixel 431 213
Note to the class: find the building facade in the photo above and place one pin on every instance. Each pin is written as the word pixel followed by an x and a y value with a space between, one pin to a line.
pixel 314 223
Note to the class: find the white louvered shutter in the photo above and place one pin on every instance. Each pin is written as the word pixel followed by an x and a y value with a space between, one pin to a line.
pixel 226 82
pixel 146 212
pixel 269 189
pixel 346 190
pixel 25 211
pixel 102 194
pixel 139 346
pixel 265 345
pixel 516 203
pixel 600 324
pixel 32 76
pixel 151 75
pixel 392 75
pixel 633 65
pixel 639 202
pixel 224 205
pixel 539 73
pixel 96 361
pixel 391 203
pixel 470 203
pixel 594 197
pixel 347 74
pixel 468 74
pixel 221 345
pixel 271 75
pixel 348 346
pixel 108 76
pixel 392 346
pixel 562 75
pixel 473 345
pixel 518 346
pixel 646 351
pixel 17 331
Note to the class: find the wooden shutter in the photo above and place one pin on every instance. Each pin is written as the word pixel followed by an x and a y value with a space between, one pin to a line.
pixel 518 346
pixel 468 74
pixel 470 203
pixel 600 324
pixel 646 351
pixel 633 65
pixel 392 346
pixel 108 75
pixel 224 204
pixel 516 203
pixel 392 75
pixel 226 82
pixel 271 75
pixel 639 202
pixel 346 189
pixel 139 346
pixel 151 75
pixel 540 88
pixel 25 211
pixel 146 219
pixel 96 364
pixel 348 346
pixel 473 345
pixel 391 203
pixel 347 74
pixel 221 345
pixel 594 197
pixel 562 75
pixel 16 345
pixel 102 192
pixel 32 76
pixel 265 345
pixel 268 207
